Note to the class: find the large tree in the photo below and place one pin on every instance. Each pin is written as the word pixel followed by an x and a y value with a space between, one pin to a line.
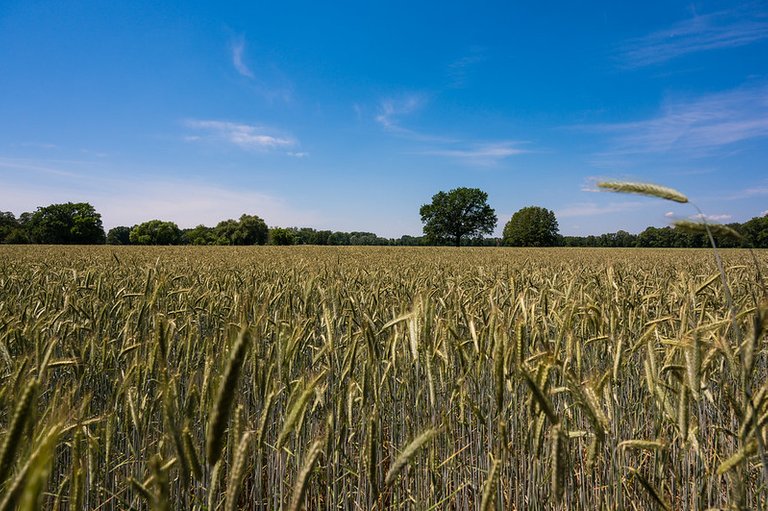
pixel 532 226
pixel 156 232
pixel 120 235
pixel 756 231
pixel 68 223
pixel 459 213
pixel 249 230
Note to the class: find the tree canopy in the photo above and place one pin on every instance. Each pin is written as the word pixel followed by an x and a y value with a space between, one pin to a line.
pixel 156 232
pixel 459 213
pixel 69 223
pixel 120 235
pixel 532 226
pixel 249 230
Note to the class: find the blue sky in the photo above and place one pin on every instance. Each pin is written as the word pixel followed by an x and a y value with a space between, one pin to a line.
pixel 351 115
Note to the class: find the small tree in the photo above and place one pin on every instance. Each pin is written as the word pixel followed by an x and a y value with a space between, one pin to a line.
pixel 459 213
pixel 532 226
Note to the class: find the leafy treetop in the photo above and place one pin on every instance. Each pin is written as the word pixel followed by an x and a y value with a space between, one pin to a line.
pixel 532 226
pixel 458 213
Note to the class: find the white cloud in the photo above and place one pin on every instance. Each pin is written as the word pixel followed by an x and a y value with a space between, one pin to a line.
pixel 458 70
pixel 238 49
pixel 392 109
pixel 756 191
pixel 711 218
pixel 724 29
pixel 764 213
pixel 669 214
pixel 696 127
pixel 482 153
pixel 246 136
pixel 748 193
pixel 594 209
pixel 299 154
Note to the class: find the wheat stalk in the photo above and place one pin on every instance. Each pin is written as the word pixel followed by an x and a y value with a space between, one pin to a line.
pixel 222 406
pixel 648 189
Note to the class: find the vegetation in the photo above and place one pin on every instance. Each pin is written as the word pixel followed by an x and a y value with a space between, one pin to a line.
pixel 356 378
pixel 248 230
pixel 156 232
pixel 68 223
pixel 280 236
pixel 79 223
pixel 459 213
pixel 532 226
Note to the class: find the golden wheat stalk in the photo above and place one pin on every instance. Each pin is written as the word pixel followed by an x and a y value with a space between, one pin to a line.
pixel 222 407
pixel 300 487
pixel 648 189
pixel 408 453
pixel 489 488
pixel 238 470
pixel 12 440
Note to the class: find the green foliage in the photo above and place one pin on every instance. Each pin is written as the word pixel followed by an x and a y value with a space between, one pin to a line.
pixel 120 235
pixel 281 236
pixel 200 235
pixel 10 229
pixel 68 223
pixel 459 213
pixel 532 226
pixel 249 230
pixel 756 231
pixel 156 232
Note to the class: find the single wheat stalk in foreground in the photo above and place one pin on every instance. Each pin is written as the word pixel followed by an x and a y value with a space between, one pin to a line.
pixel 651 190
pixel 226 395
pixel 300 488
pixel 408 453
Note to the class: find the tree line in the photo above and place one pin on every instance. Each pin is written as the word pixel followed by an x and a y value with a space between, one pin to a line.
pixel 459 217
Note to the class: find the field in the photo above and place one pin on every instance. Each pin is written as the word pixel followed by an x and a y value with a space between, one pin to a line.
pixel 391 378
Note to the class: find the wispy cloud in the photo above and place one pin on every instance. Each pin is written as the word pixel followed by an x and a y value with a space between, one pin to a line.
pixel 755 191
pixel 594 209
pixel 696 127
pixel 711 218
pixel 458 70
pixel 132 201
pixel 392 110
pixel 36 166
pixel 747 193
pixel 764 213
pixel 724 29
pixel 480 153
pixel 246 136
pixel 238 49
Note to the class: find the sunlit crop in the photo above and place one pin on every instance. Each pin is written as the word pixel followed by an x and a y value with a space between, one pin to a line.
pixel 381 378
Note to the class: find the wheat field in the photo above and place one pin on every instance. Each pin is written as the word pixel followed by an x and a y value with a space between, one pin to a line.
pixel 222 378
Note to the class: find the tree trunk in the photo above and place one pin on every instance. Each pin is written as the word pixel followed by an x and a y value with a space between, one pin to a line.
pixel 458 240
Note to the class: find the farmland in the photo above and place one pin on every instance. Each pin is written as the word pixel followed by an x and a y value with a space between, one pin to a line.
pixel 381 378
